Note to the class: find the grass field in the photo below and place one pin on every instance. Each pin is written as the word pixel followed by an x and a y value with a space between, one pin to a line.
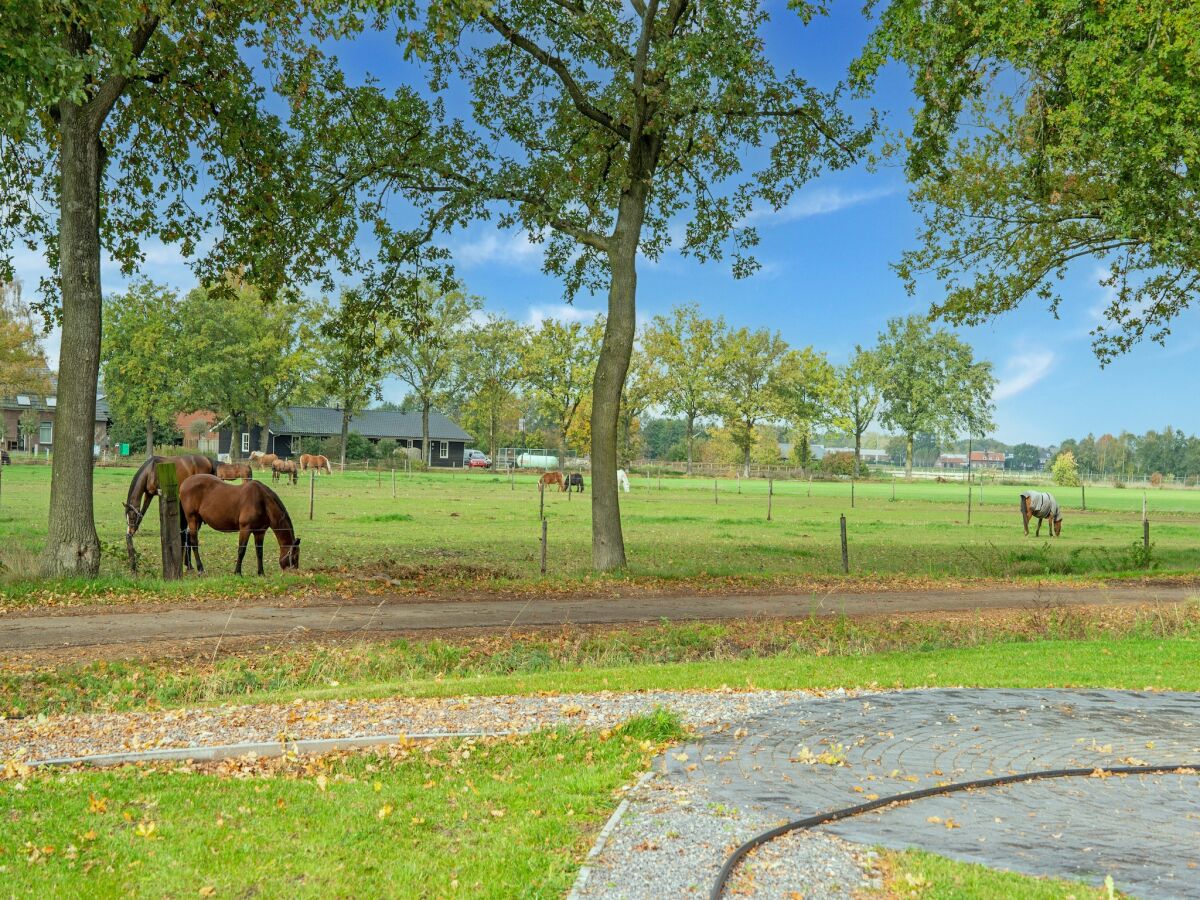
pixel 475 530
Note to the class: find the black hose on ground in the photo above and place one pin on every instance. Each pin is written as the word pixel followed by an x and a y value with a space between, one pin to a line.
pixel 850 811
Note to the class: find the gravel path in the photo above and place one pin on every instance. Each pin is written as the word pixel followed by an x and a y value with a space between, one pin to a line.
pixel 674 838
pixel 90 734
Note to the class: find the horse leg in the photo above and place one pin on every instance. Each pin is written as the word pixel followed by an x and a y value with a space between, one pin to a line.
pixel 243 537
pixel 1038 533
pixel 194 542
pixel 258 548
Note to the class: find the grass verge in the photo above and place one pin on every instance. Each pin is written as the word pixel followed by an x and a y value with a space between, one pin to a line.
pixel 1117 647
pixel 915 873
pixel 497 818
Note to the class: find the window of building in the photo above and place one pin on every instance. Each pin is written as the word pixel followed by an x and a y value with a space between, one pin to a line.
pixel 46 433
pixel 245 442
pixel 51 402
pixel 22 400
pixel 444 450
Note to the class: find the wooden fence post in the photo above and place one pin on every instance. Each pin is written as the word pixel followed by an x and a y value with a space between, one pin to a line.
pixel 716 499
pixel 541 500
pixel 845 549
pixel 168 519
pixel 543 546
pixel 893 487
pixel 512 482
pixel 312 491
pixel 852 492
pixel 1146 540
pixel 393 482
pixel 1083 494
pixel 770 496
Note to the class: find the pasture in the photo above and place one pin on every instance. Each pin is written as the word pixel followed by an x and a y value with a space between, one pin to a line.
pixel 458 531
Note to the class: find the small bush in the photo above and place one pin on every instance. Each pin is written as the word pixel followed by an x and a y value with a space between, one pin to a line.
pixel 1156 479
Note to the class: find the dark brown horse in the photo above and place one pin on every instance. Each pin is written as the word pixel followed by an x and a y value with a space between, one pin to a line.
pixel 249 508
pixel 144 487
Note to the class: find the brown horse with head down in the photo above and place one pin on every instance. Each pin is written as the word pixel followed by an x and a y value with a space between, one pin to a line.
pixel 144 487
pixel 287 468
pixel 249 508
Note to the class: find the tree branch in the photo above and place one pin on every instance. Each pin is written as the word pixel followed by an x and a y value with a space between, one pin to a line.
pixel 556 65
pixel 113 86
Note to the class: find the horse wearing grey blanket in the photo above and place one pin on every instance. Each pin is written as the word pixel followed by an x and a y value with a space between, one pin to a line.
pixel 1041 505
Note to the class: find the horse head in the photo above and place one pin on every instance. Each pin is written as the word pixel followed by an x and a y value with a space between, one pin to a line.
pixel 1057 527
pixel 289 555
pixel 133 519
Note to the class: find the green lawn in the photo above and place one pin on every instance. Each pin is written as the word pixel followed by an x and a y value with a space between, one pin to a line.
pixel 473 530
pixel 481 818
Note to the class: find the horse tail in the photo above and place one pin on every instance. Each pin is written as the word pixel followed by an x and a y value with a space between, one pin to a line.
pixel 1024 506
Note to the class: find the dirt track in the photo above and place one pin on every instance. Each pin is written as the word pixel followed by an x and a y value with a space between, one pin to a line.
pixel 130 628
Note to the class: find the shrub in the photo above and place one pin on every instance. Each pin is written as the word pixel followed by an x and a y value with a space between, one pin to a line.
pixel 842 464
pixel 1156 479
pixel 1064 472
pixel 386 449
pixel 358 447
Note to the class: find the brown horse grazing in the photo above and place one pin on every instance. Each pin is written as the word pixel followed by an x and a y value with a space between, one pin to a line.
pixel 249 508
pixel 265 460
pixel 286 468
pixel 234 471
pixel 549 478
pixel 1040 505
pixel 144 487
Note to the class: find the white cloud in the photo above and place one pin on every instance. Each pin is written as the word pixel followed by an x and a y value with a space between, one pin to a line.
pixel 563 312
pixel 1022 372
pixel 818 201
pixel 512 249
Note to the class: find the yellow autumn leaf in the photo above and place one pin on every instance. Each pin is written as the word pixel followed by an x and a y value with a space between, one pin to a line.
pixel 384 811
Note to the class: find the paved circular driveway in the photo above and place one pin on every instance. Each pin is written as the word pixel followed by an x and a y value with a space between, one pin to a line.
pixel 815 755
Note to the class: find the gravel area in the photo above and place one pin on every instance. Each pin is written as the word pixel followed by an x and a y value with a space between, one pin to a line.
pixel 89 734
pixel 673 840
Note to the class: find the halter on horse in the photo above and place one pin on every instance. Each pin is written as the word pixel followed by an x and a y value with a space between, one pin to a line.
pixel 144 486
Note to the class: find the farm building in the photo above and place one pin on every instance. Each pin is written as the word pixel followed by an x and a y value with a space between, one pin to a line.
pixel 869 456
pixel 39 412
pixel 446 439
pixel 980 459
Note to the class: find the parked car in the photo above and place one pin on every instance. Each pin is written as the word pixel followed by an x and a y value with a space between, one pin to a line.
pixel 476 459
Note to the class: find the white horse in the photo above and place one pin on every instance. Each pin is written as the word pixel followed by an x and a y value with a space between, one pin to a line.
pixel 623 480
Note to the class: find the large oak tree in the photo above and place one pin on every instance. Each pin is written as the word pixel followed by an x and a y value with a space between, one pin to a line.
pixel 126 122
pixel 594 126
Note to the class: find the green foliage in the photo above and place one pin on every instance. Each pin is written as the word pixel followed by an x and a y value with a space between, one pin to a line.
pixel 490 374
pixel 386 448
pixel 1050 133
pixel 1025 457
pixel 930 381
pixel 22 360
pixel 683 355
pixel 359 447
pixel 426 354
pixel 751 368
pixel 857 393
pixel 1064 472
pixel 246 358
pixel 558 367
pixel 145 363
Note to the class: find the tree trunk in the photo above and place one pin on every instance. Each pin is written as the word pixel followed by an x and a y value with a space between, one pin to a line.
pixel 492 435
pixel 72 547
pixel 345 432
pixel 149 438
pixel 857 452
pixel 746 462
pixel 908 456
pixel 425 451
pixel 691 437
pixel 264 439
pixel 235 439
pixel 608 543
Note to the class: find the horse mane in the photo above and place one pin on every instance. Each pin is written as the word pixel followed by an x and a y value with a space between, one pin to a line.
pixel 139 479
pixel 287 519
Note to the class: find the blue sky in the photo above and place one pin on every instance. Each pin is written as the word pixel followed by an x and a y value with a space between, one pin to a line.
pixel 826 278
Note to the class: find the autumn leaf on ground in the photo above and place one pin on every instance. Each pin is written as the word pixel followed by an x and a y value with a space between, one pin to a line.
pixel 97 804
pixel 384 811
pixel 146 830
pixel 322 783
